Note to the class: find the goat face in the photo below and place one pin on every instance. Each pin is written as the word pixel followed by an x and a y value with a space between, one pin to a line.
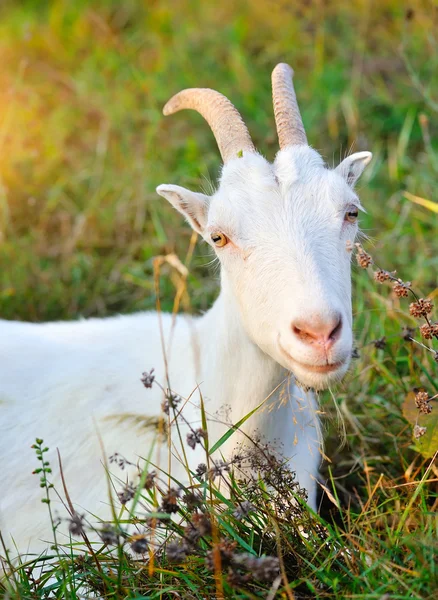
pixel 282 234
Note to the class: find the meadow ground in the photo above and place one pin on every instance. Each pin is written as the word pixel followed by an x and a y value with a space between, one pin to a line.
pixel 83 145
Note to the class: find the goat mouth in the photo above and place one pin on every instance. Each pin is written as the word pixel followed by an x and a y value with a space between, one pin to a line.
pixel 327 368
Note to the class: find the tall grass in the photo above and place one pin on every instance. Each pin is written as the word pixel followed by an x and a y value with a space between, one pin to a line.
pixel 83 145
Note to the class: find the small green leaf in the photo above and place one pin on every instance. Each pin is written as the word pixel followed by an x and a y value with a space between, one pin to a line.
pixel 235 536
pixel 234 428
pixel 204 423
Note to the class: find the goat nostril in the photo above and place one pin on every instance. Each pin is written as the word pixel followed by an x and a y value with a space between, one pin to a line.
pixel 336 331
pixel 304 333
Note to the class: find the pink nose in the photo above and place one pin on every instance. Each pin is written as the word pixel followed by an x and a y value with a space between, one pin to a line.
pixel 318 330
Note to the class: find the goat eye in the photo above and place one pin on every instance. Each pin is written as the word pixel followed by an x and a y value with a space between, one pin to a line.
pixel 219 239
pixel 351 215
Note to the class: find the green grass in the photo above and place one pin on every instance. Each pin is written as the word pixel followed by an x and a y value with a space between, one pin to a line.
pixel 83 145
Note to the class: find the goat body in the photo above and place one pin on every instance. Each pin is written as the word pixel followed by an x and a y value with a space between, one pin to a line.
pixel 281 232
pixel 81 382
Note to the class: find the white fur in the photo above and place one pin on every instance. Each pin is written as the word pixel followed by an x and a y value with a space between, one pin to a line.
pixel 286 260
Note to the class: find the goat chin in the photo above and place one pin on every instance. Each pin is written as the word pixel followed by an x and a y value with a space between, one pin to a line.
pixel 320 382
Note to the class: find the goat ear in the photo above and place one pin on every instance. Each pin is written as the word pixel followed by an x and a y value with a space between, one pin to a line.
pixel 352 167
pixel 192 205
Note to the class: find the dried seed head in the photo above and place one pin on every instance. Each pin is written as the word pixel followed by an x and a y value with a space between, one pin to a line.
pixel 169 502
pixel 139 544
pixel 381 276
pixel 218 469
pixel 267 568
pixel 426 331
pixel 363 258
pixel 148 378
pixel 191 536
pixel 201 470
pixel 170 401
pixel 263 568
pixel 195 437
pixel 429 330
pixel 176 552
pixel 126 494
pixel 421 308
pixel 201 522
pixel 150 480
pixel 421 397
pixel 419 431
pixel 76 524
pixel 108 535
pixel 380 344
pixel 193 500
pixel 355 353
pixel 243 509
pixel 408 333
pixel 401 288
pixel 422 402
pixel 120 460
pixel 226 550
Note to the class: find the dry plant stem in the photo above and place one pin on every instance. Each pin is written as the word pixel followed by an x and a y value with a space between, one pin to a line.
pixel 420 485
pixel 157 264
pixel 176 416
pixel 111 501
pixel 183 284
pixel 423 345
pixel 217 559
pixel 289 592
pixel 180 291
pixel 420 309
pixel 391 277
pixel 73 512
pixel 8 560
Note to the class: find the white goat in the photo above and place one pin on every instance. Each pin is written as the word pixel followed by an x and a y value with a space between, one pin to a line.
pixel 280 232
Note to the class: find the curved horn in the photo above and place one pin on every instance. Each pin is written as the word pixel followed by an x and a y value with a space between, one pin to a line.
pixel 230 131
pixel 290 126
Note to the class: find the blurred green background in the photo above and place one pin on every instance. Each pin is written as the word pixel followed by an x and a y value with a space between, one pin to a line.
pixel 83 143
